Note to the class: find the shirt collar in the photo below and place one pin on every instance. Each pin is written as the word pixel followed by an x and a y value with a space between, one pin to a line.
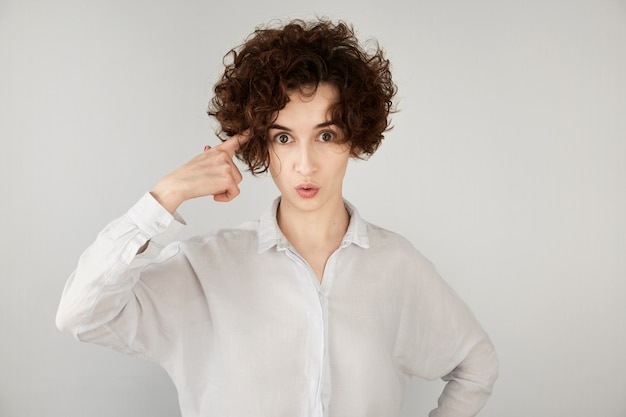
pixel 270 234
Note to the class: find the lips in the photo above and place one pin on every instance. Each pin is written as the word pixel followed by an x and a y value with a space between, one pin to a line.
pixel 307 190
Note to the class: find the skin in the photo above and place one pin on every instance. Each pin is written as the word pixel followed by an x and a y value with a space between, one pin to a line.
pixel 211 173
pixel 305 153
pixel 306 163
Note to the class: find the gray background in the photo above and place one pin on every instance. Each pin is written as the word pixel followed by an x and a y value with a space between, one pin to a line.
pixel 506 167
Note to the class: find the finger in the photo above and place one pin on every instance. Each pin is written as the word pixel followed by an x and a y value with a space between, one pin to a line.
pixel 227 195
pixel 236 174
pixel 232 144
pixel 231 189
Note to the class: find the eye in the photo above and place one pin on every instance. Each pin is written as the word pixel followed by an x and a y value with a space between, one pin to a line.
pixel 326 136
pixel 283 138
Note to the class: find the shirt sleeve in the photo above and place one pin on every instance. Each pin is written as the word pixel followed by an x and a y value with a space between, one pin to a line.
pixel 102 284
pixel 441 338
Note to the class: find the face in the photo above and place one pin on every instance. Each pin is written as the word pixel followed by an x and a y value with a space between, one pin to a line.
pixel 307 162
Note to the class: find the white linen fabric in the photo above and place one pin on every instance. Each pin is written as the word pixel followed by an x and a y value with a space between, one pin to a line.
pixel 244 328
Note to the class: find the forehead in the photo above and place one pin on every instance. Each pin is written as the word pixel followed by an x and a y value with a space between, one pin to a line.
pixel 309 103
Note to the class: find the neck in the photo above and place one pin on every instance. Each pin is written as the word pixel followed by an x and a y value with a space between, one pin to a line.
pixel 321 227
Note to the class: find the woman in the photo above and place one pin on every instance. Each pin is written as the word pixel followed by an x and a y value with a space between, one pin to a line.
pixel 309 311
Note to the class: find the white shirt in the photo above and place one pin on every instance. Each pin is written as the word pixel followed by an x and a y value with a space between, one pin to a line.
pixel 243 327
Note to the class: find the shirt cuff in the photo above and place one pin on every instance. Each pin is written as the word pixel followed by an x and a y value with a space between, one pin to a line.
pixel 154 220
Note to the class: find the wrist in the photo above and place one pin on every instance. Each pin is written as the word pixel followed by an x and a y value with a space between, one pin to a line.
pixel 169 199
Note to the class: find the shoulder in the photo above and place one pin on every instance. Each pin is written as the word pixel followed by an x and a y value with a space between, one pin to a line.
pixel 239 237
pixel 226 248
pixel 385 239
pixel 395 249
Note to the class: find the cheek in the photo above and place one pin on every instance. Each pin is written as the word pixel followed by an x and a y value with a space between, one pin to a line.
pixel 340 160
pixel 274 162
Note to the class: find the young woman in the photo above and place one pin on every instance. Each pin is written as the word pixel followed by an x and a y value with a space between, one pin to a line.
pixel 309 311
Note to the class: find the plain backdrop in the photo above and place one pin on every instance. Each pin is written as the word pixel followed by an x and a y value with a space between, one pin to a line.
pixel 506 167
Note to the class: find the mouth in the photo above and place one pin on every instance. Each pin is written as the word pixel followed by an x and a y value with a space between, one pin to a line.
pixel 307 190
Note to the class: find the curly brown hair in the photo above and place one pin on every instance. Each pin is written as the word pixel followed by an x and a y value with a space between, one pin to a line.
pixel 273 62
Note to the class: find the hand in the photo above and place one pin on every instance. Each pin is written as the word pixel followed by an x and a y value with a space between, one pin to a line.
pixel 212 172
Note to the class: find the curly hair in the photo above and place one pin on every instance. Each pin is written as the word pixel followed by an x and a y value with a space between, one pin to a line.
pixel 260 74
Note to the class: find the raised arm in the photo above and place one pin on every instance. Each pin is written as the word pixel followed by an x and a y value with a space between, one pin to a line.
pixel 103 285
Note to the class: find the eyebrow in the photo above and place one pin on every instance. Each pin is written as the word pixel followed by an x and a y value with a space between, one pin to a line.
pixel 318 126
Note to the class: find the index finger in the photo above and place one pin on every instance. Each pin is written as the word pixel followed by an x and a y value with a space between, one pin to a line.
pixel 232 144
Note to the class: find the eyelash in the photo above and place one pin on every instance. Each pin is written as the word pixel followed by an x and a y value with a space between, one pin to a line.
pixel 278 137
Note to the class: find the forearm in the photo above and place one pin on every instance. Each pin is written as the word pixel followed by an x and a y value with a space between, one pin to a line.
pixel 107 271
pixel 469 385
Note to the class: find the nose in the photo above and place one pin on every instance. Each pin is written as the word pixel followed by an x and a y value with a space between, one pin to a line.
pixel 306 161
